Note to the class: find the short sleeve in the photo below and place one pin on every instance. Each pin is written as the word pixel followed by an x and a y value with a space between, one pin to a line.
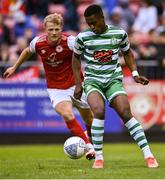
pixel 33 44
pixel 78 45
pixel 125 45
pixel 71 41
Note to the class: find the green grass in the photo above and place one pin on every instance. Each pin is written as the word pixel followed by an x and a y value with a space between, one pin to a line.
pixel 122 161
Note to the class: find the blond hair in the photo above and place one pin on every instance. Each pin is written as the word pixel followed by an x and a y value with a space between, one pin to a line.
pixel 54 18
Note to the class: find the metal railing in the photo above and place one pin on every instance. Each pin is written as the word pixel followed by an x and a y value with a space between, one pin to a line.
pixel 151 68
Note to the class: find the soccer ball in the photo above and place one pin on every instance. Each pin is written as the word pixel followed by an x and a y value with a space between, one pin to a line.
pixel 74 147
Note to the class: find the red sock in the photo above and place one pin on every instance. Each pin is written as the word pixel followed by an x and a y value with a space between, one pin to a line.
pixel 76 129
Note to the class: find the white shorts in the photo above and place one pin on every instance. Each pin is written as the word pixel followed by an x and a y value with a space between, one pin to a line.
pixel 58 95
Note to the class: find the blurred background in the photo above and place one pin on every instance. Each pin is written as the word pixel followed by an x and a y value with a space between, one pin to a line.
pixel 26 114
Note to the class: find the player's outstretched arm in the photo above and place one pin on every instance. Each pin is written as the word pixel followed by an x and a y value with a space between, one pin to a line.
pixel 25 55
pixel 76 67
pixel 131 64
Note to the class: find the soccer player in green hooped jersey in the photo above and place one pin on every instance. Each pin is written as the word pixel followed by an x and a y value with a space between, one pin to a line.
pixel 100 46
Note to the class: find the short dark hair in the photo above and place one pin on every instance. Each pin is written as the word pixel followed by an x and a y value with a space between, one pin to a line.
pixel 93 10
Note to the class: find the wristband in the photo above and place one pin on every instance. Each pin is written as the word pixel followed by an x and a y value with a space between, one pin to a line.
pixel 135 73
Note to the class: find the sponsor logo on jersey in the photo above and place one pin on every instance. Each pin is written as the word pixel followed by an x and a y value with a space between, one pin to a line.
pixel 52 61
pixel 103 55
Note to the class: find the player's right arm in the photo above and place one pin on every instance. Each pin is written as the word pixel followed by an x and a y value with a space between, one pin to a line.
pixel 25 55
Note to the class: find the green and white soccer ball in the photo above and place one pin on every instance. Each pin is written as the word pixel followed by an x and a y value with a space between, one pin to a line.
pixel 74 147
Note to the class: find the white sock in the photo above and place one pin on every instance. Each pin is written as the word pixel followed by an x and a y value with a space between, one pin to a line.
pixel 147 152
pixel 97 131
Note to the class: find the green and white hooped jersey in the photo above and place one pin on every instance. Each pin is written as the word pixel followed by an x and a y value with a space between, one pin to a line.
pixel 101 53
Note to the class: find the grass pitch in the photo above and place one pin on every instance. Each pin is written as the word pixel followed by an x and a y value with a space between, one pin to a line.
pixel 122 161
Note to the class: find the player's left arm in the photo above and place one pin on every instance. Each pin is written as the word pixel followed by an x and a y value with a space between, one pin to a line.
pixel 131 64
pixel 130 60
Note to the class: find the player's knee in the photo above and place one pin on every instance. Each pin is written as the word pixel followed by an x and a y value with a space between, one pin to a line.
pixel 67 115
pixel 98 112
